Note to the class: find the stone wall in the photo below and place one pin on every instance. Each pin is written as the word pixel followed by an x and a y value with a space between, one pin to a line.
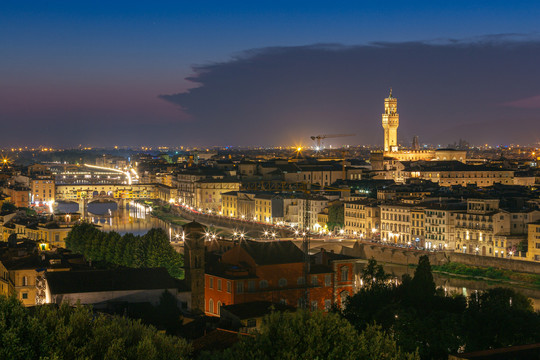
pixel 498 263
pixel 401 256
pixel 387 254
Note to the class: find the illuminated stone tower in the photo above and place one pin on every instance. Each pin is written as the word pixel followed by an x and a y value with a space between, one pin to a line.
pixel 194 253
pixel 390 123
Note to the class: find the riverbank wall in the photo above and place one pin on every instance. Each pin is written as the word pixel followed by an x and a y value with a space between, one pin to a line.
pixel 403 256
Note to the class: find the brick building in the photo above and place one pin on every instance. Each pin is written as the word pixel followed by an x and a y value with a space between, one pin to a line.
pixel 274 271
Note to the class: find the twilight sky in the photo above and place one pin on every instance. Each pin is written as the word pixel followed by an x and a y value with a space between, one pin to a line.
pixel 266 72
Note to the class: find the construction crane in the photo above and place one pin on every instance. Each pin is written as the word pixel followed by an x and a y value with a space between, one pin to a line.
pixel 322 137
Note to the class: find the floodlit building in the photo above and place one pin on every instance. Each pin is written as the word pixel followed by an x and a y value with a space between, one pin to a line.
pixel 533 241
pixel 362 218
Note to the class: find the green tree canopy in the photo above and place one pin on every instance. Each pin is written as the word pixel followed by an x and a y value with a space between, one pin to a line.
pixel 8 207
pixel 305 335
pixel 47 332
pixel 151 250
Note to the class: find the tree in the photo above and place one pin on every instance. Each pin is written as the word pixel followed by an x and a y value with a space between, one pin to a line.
pixel 421 288
pixel 67 332
pixel 373 275
pixel 500 317
pixel 151 250
pixel 411 310
pixel 336 216
pixel 305 335
pixel 8 207
pixel 167 313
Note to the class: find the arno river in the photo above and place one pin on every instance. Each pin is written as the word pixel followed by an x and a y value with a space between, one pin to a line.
pixel 133 219
pixel 136 220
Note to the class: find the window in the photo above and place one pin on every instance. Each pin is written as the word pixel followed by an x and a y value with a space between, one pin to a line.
pixel 282 282
pixel 211 306
pixel 314 305
pixel 219 284
pixel 229 287
pixel 251 285
pixel 211 283
pixel 327 280
pixel 283 301
pixel 263 284
pixel 300 281
pixel 24 281
pixel 251 323
pixel 344 273
pixel 314 280
pixel 219 307
pixel 239 287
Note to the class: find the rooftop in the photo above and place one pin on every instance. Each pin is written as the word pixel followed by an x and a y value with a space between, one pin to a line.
pixel 272 253
pixel 69 282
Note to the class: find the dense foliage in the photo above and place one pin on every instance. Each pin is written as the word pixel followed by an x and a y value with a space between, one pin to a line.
pixel 425 318
pixel 305 335
pixel 490 273
pixel 47 332
pixel 151 250
pixel 8 207
pixel 336 216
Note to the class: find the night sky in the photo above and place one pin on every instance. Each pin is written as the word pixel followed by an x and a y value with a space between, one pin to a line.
pixel 267 72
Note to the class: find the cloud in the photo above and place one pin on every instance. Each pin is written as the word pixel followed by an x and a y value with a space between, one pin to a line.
pixel 532 102
pixel 282 95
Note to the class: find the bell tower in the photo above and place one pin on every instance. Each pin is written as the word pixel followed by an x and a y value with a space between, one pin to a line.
pixel 390 123
pixel 194 253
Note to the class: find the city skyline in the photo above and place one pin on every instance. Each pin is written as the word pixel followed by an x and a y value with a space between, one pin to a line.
pixel 190 74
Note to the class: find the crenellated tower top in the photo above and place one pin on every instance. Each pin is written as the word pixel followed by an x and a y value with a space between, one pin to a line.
pixel 390 123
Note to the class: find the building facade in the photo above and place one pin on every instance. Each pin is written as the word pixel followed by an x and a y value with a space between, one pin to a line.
pixel 362 218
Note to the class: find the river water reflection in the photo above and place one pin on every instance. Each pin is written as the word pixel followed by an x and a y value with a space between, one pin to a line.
pixel 133 218
pixel 464 286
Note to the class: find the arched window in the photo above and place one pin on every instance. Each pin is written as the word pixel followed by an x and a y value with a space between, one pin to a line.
pixel 211 306
pixel 282 282
pixel 300 281
pixel 219 307
pixel 263 284
pixel 344 273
